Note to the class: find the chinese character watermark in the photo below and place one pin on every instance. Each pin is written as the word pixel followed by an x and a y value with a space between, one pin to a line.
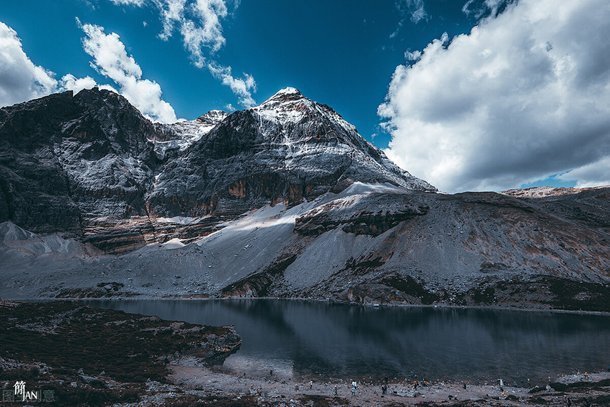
pixel 20 389
pixel 21 394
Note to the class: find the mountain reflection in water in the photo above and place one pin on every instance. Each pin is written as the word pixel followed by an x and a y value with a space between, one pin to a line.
pixel 333 340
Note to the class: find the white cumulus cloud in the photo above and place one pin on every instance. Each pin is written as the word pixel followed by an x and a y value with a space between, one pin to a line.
pixel 70 82
pixel 136 3
pixel 172 12
pixel 205 30
pixel 523 96
pixel 20 78
pixel 242 87
pixel 110 59
pixel 199 23
pixel 593 174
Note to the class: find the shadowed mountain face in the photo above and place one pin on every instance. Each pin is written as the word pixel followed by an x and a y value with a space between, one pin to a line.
pixel 284 199
pixel 66 158
pixel 91 165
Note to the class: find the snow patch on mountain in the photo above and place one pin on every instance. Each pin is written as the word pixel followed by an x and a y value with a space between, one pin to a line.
pixel 181 220
pixel 187 132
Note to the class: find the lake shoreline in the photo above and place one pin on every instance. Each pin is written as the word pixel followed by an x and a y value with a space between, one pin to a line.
pixel 178 373
pixel 579 389
pixel 318 300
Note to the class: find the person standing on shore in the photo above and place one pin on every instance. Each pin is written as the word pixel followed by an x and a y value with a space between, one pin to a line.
pixel 336 391
pixel 354 387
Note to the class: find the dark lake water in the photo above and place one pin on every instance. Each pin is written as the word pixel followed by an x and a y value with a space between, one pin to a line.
pixel 299 338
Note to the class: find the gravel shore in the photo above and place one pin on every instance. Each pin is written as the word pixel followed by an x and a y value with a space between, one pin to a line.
pixel 581 389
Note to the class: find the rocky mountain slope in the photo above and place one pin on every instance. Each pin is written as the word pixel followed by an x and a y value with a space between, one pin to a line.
pixel 65 157
pixel 287 149
pixel 90 165
pixel 285 199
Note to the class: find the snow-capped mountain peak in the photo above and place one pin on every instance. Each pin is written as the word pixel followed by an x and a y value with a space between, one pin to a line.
pixel 287 92
pixel 182 134
pixel 213 117
pixel 289 106
pixel 284 99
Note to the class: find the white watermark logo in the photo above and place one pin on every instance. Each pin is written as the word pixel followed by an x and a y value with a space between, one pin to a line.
pixel 21 394
pixel 25 395
pixel 20 389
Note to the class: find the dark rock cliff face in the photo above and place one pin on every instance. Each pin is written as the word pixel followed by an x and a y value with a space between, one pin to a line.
pixel 65 158
pixel 72 163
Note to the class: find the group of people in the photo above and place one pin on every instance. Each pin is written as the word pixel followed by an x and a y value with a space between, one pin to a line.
pixel 354 387
pixel 335 388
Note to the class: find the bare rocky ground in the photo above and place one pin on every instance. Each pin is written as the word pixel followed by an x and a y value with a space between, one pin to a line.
pixel 368 244
pixel 96 357
pixel 88 356
pixel 575 390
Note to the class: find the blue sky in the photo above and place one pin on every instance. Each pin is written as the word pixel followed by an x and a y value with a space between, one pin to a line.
pixel 467 94
pixel 336 52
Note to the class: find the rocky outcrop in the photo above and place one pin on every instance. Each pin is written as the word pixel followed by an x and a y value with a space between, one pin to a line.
pixel 259 284
pixel 368 215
